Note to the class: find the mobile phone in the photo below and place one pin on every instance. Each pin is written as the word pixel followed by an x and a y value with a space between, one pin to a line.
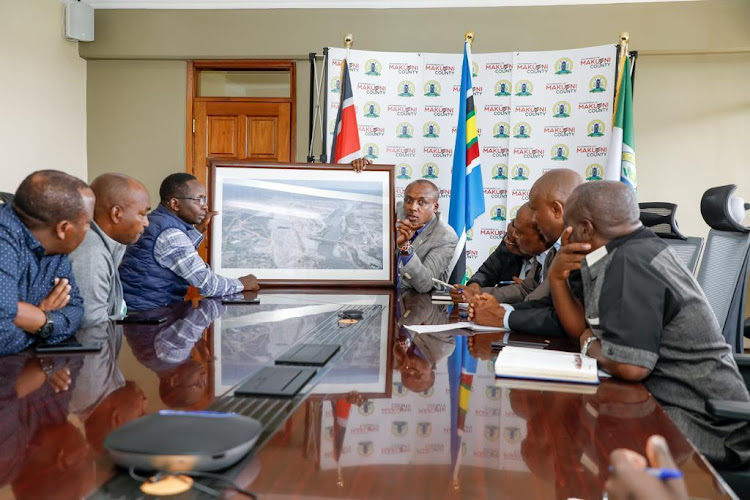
pixel 69 347
pixel 239 299
pixel 144 318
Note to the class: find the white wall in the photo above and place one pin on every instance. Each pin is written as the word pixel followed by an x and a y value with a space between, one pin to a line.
pixel 43 89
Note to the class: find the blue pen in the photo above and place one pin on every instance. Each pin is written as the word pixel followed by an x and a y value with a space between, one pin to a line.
pixel 505 282
pixel 662 474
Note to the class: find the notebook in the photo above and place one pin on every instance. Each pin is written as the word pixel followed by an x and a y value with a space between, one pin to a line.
pixel 461 325
pixel 538 364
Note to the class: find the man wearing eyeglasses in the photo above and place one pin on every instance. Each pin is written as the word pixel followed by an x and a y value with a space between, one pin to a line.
pixel 160 267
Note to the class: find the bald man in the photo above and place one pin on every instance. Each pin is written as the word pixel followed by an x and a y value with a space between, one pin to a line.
pixel 120 217
pixel 644 318
pixel 39 299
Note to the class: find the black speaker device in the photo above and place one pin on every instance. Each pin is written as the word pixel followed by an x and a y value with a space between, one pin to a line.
pixel 183 441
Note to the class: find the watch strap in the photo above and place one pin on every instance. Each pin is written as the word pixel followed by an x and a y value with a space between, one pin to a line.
pixel 587 343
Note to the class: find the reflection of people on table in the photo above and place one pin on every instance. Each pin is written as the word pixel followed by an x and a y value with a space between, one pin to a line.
pixel 425 244
pixel 178 353
pixel 159 268
pixel 103 399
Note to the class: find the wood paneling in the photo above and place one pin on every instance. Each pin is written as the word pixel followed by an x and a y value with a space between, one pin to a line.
pixel 261 137
pixel 221 136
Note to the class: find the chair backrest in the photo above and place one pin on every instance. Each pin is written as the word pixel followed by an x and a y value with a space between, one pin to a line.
pixel 660 218
pixel 687 250
pixel 723 277
pixel 5 198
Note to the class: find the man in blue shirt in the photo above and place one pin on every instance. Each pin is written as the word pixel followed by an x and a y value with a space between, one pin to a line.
pixel 47 220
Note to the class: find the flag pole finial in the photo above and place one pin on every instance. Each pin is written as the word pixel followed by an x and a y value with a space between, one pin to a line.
pixel 348 40
pixel 469 36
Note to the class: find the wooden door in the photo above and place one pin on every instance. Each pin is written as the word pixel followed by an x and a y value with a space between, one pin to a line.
pixel 260 131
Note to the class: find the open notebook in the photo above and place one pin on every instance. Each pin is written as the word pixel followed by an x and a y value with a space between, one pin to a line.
pixel 538 364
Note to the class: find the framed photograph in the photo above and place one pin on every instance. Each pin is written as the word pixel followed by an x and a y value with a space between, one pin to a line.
pixel 303 224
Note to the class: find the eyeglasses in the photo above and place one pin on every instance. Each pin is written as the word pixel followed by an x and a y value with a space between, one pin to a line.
pixel 200 199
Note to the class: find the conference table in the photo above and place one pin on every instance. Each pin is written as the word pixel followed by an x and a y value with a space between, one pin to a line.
pixel 384 418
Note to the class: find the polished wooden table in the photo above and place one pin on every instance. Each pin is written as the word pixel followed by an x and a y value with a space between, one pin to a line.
pixel 381 420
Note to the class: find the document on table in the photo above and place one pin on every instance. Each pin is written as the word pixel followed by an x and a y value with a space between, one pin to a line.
pixel 461 325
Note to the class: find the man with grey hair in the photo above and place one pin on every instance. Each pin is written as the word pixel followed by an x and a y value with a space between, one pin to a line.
pixel 644 318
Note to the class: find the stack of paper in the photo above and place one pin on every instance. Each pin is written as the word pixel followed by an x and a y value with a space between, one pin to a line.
pixel 461 325
pixel 537 364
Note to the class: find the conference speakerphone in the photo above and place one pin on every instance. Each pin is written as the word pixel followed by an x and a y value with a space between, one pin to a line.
pixel 276 382
pixel 183 441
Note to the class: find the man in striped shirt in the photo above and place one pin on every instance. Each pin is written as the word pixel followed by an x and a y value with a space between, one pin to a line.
pixel 159 268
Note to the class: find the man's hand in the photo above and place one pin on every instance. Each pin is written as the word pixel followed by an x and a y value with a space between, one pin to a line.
pixel 568 258
pixel 480 346
pixel 517 280
pixel 629 479
pixel 202 226
pixel 484 309
pixel 60 380
pixel 250 283
pixel 585 335
pixel 360 164
pixel 405 231
pixel 463 293
pixel 58 298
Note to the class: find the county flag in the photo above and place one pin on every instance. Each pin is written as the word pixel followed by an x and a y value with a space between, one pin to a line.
pixel 467 192
pixel 345 147
pixel 462 367
pixel 621 162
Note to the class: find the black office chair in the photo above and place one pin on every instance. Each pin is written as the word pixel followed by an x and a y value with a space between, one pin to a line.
pixel 6 198
pixel 723 273
pixel 660 218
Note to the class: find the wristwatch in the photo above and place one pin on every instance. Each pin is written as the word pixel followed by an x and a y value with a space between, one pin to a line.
pixel 47 366
pixel 46 330
pixel 587 344
pixel 407 249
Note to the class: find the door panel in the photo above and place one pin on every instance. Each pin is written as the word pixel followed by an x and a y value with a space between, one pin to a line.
pixel 261 137
pixel 222 135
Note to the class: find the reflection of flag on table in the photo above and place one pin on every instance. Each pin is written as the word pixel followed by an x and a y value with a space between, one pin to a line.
pixel 461 369
pixel 341 410
pixel 621 161
pixel 467 193
pixel 345 147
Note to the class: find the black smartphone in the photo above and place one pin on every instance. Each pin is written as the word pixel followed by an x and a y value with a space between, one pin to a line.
pixel 239 299
pixel 144 318
pixel 69 347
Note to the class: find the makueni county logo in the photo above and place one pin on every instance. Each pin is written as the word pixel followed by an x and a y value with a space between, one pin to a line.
pixel 474 69
pixel 406 89
pixel 470 234
pixel 365 448
pixel 428 393
pixel 332 126
pixel 431 130
pixel 404 171
pixel 430 171
pixel 432 89
pixel 520 173
pixel 399 428
pixel 328 433
pixel 399 389
pixel 598 83
pixel 560 152
pixel 497 212
pixel 336 85
pixel 372 67
pixel 594 172
pixel 493 393
pixel 371 151
pixel 513 212
pixel 512 435
pixel 563 66
pixel 522 130
pixel 524 88
pixel 404 130
pixel 424 429
pixel 366 409
pixel 502 88
pixel 500 130
pixel 467 277
pixel 561 109
pixel 492 250
pixel 595 128
pixel 372 109
pixel 500 171
pixel 491 433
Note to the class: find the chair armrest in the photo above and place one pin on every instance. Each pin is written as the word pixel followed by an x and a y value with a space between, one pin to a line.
pixel 735 410
pixel 743 361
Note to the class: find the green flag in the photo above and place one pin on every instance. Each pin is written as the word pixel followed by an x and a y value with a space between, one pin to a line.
pixel 622 151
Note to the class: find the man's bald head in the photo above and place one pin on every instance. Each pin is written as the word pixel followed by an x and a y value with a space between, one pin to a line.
pixel 610 208
pixel 122 205
pixel 547 199
pixel 47 197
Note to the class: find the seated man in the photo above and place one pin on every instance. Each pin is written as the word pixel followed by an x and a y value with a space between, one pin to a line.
pixel 159 268
pixel 120 216
pixel 547 200
pixel 47 220
pixel 529 242
pixel 644 318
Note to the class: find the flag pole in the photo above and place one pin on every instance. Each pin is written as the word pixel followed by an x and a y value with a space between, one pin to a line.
pixel 469 37
pixel 348 42
pixel 624 39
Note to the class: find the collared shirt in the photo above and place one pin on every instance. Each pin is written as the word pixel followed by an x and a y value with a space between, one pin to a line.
pixel 524 268
pixel 177 252
pixel 95 264
pixel 542 257
pixel 28 275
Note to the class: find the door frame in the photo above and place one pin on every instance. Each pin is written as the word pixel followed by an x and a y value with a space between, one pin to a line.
pixel 195 66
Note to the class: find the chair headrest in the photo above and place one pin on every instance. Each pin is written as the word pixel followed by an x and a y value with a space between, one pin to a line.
pixel 660 218
pixel 722 211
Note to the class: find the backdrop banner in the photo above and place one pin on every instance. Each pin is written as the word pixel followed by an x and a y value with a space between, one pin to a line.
pixel 536 111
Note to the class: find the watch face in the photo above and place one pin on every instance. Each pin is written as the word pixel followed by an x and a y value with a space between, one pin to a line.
pixel 45 331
